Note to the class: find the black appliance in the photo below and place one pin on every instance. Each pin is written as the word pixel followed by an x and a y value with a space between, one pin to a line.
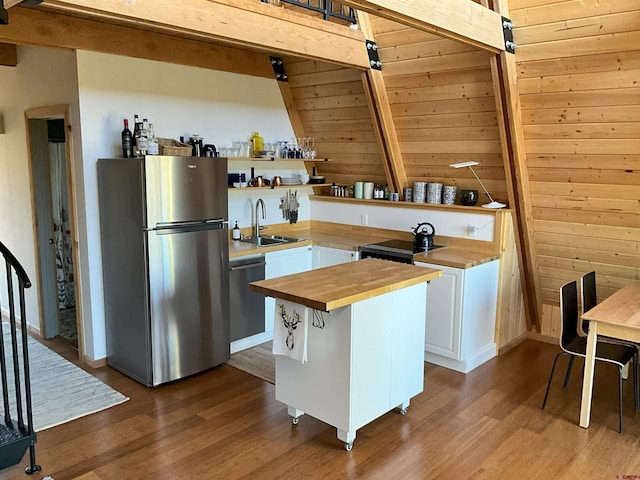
pixel 394 250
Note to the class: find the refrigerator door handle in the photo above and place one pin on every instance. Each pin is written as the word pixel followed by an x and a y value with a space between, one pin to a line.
pixel 194 225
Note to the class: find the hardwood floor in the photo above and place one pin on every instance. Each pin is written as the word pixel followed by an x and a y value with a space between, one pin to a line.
pixel 226 424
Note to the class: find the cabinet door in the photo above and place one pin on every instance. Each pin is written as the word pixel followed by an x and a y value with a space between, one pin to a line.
pixel 278 264
pixel 327 256
pixel 444 308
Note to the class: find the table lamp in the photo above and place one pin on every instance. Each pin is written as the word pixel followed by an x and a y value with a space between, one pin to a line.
pixel 493 203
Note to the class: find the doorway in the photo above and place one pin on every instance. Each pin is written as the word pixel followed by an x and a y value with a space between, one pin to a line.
pixel 51 169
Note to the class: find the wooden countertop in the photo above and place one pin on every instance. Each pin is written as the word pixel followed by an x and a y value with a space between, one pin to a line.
pixel 456 257
pixel 450 256
pixel 340 285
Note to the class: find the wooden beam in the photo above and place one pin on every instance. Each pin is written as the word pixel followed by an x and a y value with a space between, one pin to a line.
pixel 383 123
pixel 32 26
pixel 247 23
pixel 292 109
pixel 11 3
pixel 503 69
pixel 462 20
pixel 8 55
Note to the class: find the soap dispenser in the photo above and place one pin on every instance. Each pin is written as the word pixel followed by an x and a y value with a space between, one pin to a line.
pixel 235 232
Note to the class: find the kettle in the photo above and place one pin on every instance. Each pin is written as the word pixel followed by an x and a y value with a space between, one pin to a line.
pixel 423 240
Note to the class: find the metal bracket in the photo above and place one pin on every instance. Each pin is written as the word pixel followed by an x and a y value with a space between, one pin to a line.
pixel 372 50
pixel 4 13
pixel 278 69
pixel 507 32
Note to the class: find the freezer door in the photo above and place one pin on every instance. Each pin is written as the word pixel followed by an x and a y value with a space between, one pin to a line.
pixel 189 301
pixel 180 189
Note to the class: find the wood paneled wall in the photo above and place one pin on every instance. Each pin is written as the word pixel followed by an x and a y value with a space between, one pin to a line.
pixel 441 95
pixel 578 78
pixel 332 107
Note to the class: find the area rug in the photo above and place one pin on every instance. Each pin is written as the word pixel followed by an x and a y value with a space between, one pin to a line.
pixel 258 361
pixel 60 391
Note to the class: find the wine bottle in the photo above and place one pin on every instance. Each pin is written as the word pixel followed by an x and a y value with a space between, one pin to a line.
pixel 137 126
pixel 127 140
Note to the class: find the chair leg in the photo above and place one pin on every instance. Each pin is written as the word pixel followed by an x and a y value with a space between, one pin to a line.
pixel 553 367
pixel 620 396
pixel 568 374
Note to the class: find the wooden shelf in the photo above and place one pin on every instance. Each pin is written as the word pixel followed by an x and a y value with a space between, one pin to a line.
pixel 403 204
pixel 276 159
pixel 300 185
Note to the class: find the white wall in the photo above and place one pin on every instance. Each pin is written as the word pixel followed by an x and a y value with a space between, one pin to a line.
pixel 179 101
pixel 393 216
pixel 43 77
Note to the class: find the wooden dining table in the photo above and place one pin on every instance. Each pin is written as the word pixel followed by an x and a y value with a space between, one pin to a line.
pixel 618 316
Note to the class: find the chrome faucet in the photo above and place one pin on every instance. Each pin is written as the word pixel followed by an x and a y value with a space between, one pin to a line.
pixel 264 215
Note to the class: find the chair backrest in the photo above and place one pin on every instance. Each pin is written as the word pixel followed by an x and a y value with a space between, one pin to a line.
pixel 589 296
pixel 569 313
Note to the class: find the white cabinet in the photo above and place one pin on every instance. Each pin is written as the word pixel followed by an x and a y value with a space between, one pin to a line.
pixel 461 315
pixel 362 363
pixel 327 256
pixel 278 264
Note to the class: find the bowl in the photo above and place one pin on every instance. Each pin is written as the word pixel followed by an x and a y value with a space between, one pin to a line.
pixel 316 179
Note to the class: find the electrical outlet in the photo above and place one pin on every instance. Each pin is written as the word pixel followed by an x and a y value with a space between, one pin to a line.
pixel 364 219
pixel 472 230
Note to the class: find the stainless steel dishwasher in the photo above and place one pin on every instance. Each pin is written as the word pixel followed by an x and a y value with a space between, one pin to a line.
pixel 246 306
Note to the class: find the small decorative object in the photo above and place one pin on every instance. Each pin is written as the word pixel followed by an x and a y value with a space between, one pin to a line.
pixel 407 194
pixel 434 193
pixel 449 195
pixel 359 189
pixel 468 198
pixel 419 192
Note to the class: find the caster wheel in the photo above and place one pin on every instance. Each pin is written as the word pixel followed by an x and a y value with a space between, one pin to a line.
pixel 295 420
pixel 348 446
pixel 403 411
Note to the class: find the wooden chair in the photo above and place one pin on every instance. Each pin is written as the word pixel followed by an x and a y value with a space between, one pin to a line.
pixel 16 427
pixel 573 345
pixel 589 299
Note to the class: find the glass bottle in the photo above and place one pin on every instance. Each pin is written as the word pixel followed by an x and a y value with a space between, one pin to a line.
pixel 152 143
pixel 127 140
pixel 137 126
pixel 142 138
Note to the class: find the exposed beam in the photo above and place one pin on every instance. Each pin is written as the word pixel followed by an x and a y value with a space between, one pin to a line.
pixel 503 69
pixel 462 20
pixel 32 26
pixel 247 23
pixel 8 55
pixel 382 117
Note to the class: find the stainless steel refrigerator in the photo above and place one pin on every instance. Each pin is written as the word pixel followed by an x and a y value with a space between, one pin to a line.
pixel 165 262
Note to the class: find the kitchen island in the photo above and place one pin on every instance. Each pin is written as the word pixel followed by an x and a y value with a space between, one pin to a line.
pixel 365 341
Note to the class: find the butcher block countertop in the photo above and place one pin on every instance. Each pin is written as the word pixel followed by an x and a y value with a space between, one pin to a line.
pixel 340 285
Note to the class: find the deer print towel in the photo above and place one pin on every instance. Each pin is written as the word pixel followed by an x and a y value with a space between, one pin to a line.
pixel 290 330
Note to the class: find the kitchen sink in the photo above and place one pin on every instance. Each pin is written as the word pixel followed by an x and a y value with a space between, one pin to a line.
pixel 269 240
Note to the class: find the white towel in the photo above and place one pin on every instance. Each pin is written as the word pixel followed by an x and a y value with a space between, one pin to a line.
pixel 290 330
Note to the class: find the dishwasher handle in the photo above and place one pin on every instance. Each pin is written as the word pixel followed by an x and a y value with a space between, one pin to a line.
pixel 243 266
